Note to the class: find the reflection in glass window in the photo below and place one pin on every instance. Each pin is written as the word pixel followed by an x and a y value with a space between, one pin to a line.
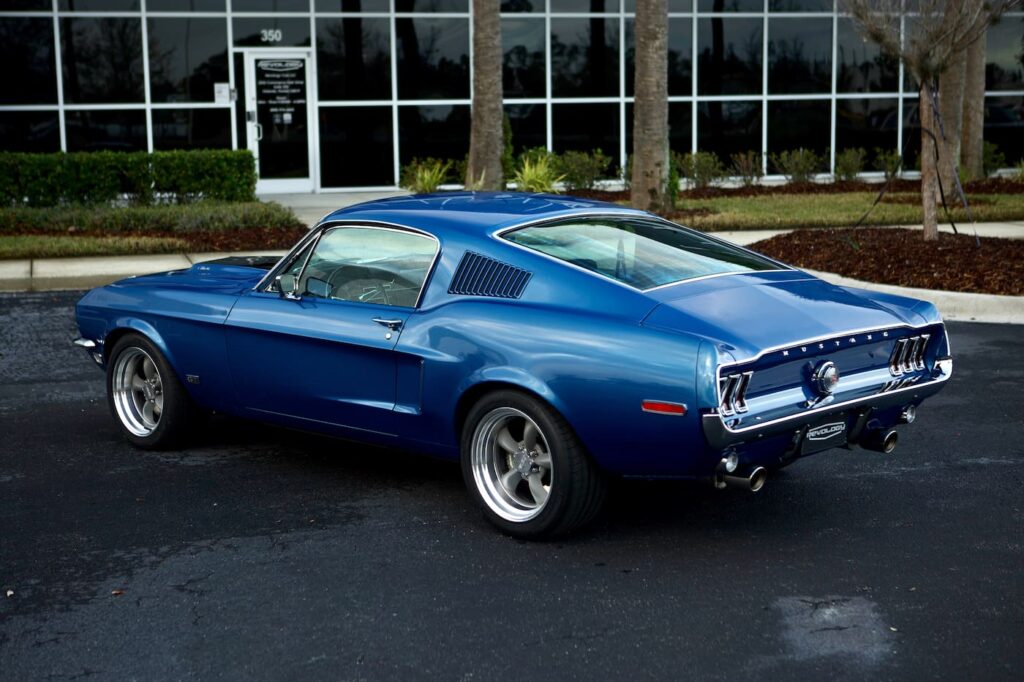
pixel 728 128
pixel 192 129
pixel 1004 126
pixel 431 5
pixel 27 5
pixel 584 6
pixel 679 128
pixel 529 126
pixel 729 56
pixel 1004 67
pixel 184 5
pixel 867 123
pixel 800 5
pixel 270 5
pixel 522 41
pixel 680 60
pixel 799 125
pixel 352 5
pixel 862 67
pixel 441 132
pixel 29 131
pixel 186 57
pixel 673 5
pixel 636 251
pixel 356 147
pixel 433 58
pixel 799 55
pixel 30 69
pixel 271 32
pixel 585 57
pixel 522 5
pixel 102 60
pixel 354 58
pixel 585 127
pixel 98 5
pixel 369 265
pixel 729 5
pixel 121 130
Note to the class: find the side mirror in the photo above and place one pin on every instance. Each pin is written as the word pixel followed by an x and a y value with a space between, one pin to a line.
pixel 287 286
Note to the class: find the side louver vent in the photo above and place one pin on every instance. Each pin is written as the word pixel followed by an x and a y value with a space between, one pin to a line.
pixel 482 276
pixel 734 393
pixel 908 355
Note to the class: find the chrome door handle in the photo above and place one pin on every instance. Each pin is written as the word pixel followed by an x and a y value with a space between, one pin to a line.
pixel 259 132
pixel 393 325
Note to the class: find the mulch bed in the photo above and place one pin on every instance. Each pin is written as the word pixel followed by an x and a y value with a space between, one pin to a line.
pixel 902 257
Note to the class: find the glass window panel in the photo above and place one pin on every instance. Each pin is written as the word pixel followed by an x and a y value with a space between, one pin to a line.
pixel 192 129
pixel 799 55
pixel 522 5
pixel 239 105
pixel 585 127
pixel 433 58
pixel 1004 67
pixel 585 57
pixel 353 5
pixel 584 6
pixel 270 5
pixel 680 60
pixel 522 41
pixel 862 67
pixel 799 5
pixel 431 5
pixel 27 5
pixel 911 134
pixel 354 58
pixel 799 125
pixel 529 126
pixel 186 57
pixel 679 129
pixel 441 132
pixel 629 6
pixel 98 5
pixel 29 131
pixel 728 128
pixel 730 6
pixel 30 69
pixel 729 56
pixel 867 123
pixel 271 31
pixel 1004 126
pixel 102 60
pixel 185 5
pixel 356 147
pixel 115 130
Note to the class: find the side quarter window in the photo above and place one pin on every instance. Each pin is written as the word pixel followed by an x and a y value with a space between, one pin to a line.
pixel 368 265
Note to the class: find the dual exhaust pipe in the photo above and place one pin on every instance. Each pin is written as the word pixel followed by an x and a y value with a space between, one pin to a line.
pixel 752 479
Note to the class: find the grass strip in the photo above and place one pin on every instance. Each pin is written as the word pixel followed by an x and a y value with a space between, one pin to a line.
pixel 55 246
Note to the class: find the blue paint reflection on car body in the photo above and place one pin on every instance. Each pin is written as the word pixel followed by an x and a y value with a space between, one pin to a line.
pixel 591 347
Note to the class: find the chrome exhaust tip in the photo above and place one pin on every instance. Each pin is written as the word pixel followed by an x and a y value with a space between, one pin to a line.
pixel 880 441
pixel 752 480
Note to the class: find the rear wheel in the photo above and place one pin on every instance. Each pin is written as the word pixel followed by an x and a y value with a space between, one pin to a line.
pixel 145 396
pixel 526 468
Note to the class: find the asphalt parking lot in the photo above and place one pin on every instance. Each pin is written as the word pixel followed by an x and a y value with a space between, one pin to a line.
pixel 267 554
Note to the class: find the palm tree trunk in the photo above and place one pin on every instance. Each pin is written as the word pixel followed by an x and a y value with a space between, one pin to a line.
pixel 972 140
pixel 650 107
pixel 485 138
pixel 929 169
pixel 951 104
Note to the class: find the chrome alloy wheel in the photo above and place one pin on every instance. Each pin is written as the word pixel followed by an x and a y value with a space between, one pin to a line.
pixel 138 391
pixel 511 464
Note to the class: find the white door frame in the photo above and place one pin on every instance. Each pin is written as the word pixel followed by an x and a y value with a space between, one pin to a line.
pixel 284 185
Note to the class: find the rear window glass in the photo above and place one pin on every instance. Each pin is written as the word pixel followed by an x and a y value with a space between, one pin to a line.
pixel 641 253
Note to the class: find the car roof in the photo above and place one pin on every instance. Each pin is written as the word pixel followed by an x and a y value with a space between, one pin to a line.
pixel 474 213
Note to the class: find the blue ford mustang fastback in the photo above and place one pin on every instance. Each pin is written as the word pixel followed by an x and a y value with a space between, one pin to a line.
pixel 547 342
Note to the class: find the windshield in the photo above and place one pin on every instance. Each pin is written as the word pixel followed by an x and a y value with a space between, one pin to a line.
pixel 638 252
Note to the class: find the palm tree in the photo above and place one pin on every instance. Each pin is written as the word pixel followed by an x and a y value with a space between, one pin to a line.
pixel 650 107
pixel 483 171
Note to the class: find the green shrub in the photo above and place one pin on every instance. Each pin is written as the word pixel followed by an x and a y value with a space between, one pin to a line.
pixel 1019 174
pixel 582 170
pixel 672 185
pixel 508 153
pixel 537 175
pixel 533 154
pixel 209 174
pixel 626 172
pixel 423 176
pixel 747 167
pixel 992 159
pixel 798 165
pixel 850 163
pixel 887 161
pixel 702 169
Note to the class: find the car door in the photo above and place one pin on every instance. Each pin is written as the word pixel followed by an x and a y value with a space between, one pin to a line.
pixel 317 343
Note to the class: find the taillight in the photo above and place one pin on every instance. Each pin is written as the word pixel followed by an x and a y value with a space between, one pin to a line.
pixel 733 391
pixel 908 355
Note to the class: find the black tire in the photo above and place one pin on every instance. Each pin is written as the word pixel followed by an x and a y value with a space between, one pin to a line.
pixel 577 488
pixel 178 416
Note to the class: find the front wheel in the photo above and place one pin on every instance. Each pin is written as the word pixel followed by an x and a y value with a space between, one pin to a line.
pixel 527 469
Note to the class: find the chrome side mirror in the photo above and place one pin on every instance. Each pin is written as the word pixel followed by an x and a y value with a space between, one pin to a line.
pixel 287 286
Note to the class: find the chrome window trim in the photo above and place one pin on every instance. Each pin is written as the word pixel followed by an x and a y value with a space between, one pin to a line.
pixel 500 233
pixel 322 228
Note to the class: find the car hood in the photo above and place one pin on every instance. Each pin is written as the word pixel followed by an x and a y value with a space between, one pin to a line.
pixel 233 275
pixel 744 314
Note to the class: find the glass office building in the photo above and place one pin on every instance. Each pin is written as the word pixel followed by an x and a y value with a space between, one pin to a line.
pixel 334 94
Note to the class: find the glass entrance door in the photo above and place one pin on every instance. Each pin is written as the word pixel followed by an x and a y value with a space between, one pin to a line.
pixel 278 118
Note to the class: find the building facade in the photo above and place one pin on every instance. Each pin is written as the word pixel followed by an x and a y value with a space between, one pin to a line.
pixel 336 94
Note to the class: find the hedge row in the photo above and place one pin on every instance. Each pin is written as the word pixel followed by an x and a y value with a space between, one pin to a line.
pixel 141 178
pixel 139 220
